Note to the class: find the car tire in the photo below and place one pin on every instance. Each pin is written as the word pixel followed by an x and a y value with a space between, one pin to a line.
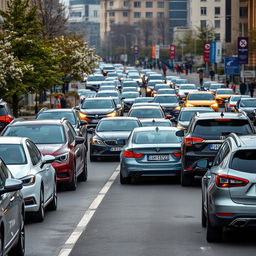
pixel 83 175
pixel 124 180
pixel 203 217
pixel 73 182
pixel 39 215
pixel 213 234
pixel 19 248
pixel 93 158
pixel 54 203
pixel 186 180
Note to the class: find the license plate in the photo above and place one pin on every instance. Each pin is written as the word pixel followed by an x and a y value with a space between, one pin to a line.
pixel 158 158
pixel 214 146
pixel 116 149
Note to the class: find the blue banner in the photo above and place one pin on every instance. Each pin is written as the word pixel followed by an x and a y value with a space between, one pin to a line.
pixel 212 52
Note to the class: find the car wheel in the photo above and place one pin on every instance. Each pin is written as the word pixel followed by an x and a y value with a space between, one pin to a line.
pixel 39 215
pixel 53 204
pixel 213 234
pixel 124 180
pixel 203 217
pixel 186 180
pixel 19 248
pixel 83 175
pixel 93 158
pixel 73 183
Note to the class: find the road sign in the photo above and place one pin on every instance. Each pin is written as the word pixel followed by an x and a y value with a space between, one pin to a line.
pixel 242 46
pixel 248 74
pixel 232 66
pixel 207 47
pixel 172 51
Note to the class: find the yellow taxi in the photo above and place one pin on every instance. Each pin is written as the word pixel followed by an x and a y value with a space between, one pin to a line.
pixel 223 94
pixel 201 99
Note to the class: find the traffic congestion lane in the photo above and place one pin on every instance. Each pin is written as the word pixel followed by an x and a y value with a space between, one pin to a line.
pixel 155 218
pixel 48 237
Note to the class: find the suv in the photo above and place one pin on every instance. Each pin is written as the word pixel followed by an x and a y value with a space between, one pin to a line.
pixel 5 115
pixel 205 135
pixel 228 187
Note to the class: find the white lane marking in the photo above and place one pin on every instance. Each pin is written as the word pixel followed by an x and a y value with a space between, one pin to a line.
pixel 82 225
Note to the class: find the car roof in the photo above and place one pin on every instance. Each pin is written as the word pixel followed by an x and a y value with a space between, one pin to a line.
pixel 151 120
pixel 57 110
pixel 146 107
pixel 247 99
pixel 220 115
pixel 38 121
pixel 223 89
pixel 108 91
pixel 166 95
pixel 200 92
pixel 119 118
pixel 12 140
pixel 197 109
pixel 98 98
pixel 247 141
pixel 153 128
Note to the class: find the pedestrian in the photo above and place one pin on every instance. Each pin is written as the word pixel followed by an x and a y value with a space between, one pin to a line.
pixel 243 88
pixel 63 101
pixel 164 70
pixel 252 87
pixel 201 78
pixel 187 67
pixel 212 75
pixel 56 103
pixel 227 83
pixel 179 69
pixel 233 87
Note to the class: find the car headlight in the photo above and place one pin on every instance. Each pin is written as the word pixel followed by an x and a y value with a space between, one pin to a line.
pixel 139 89
pixel 178 108
pixel 82 115
pixel 112 114
pixel 28 180
pixel 96 141
pixel 215 105
pixel 148 90
pixel 189 105
pixel 180 127
pixel 62 158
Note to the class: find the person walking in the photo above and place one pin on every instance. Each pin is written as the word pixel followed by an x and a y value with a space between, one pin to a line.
pixel 164 70
pixel 243 88
pixel 233 87
pixel 201 78
pixel 212 75
pixel 252 87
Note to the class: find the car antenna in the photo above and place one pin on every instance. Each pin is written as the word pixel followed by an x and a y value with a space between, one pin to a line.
pixel 221 114
pixel 157 129
pixel 153 121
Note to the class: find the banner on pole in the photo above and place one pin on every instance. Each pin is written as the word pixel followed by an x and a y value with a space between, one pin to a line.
pixel 242 46
pixel 153 54
pixel 172 51
pixel 218 52
pixel 207 47
pixel 212 51
pixel 157 51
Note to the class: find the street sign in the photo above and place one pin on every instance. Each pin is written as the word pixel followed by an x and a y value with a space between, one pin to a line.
pixel 153 54
pixel 207 47
pixel 232 66
pixel 212 51
pixel 242 46
pixel 172 51
pixel 157 51
pixel 248 74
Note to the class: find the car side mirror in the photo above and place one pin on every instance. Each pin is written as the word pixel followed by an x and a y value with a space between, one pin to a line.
pixel 79 140
pixel 47 159
pixel 11 185
pixel 168 116
pixel 82 123
pixel 77 107
pixel 180 133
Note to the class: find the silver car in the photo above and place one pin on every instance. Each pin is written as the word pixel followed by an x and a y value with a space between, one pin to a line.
pixel 151 151
pixel 231 102
pixel 26 163
pixel 228 187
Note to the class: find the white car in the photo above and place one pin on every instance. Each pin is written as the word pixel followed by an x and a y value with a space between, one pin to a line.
pixel 185 89
pixel 27 164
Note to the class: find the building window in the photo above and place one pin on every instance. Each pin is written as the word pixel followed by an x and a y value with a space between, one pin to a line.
pixel 125 14
pixel 95 13
pixel 137 4
pixel 219 0
pixel 149 4
pixel 75 14
pixel 160 14
pixel 149 14
pixel 217 36
pixel 111 3
pixel 243 12
pixel 126 3
pixel 203 0
pixel 112 14
pixel 243 29
pixel 137 15
pixel 217 23
pixel 160 4
pixel 203 11
pixel 217 10
pixel 203 23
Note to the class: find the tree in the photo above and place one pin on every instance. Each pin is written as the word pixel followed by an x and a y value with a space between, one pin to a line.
pixel 204 34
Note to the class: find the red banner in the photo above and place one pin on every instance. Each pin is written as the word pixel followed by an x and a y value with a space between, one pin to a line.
pixel 172 51
pixel 207 49
pixel 153 51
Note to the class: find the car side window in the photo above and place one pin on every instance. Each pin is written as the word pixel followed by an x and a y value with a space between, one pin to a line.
pixel 34 153
pixel 71 133
pixel 223 151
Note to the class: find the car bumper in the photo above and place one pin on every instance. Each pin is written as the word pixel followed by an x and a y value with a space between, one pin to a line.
pixel 63 172
pixel 31 195
pixel 104 151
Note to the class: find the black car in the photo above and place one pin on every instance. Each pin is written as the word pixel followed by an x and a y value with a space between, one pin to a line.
pixel 110 136
pixel 71 114
pixel 94 109
pixel 5 115
pixel 247 105
pixel 12 216
pixel 128 99
pixel 205 135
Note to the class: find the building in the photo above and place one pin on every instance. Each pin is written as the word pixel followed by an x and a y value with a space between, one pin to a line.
pixel 3 5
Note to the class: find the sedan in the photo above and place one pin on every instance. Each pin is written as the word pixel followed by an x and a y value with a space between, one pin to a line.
pixel 156 122
pixel 147 112
pixel 150 151
pixel 27 164
pixel 128 99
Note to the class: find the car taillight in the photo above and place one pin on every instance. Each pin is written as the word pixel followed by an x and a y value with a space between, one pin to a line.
pixel 176 154
pixel 191 140
pixel 227 181
pixel 6 118
pixel 231 105
pixel 131 154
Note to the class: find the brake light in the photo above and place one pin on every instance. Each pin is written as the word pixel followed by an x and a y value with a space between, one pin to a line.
pixel 191 140
pixel 131 154
pixel 222 119
pixel 224 214
pixel 6 118
pixel 231 105
pixel 227 181
pixel 176 154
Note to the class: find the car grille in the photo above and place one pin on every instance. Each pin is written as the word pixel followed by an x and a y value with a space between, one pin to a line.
pixel 112 143
pixel 96 116
pixel 202 106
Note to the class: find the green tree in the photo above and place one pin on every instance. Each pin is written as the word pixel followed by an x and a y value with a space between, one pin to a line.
pixel 204 34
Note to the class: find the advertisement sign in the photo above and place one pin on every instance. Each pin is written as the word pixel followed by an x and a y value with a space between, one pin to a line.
pixel 172 51
pixel 157 51
pixel 153 54
pixel 232 66
pixel 242 46
pixel 207 48
pixel 218 52
pixel 212 51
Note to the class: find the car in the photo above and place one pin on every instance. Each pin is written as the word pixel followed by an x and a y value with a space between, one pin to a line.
pixel 56 138
pixel 119 105
pixel 146 104
pixel 228 187
pixel 92 110
pixel 157 87
pixel 247 106
pixel 107 68
pixel 155 77
pixel 231 102
pixel 108 93
pixel 156 122
pixel 85 93
pixel 108 88
pixel 170 79
pixel 5 115
pixel 207 84
pixel 26 163
pixel 147 112
pixel 186 115
pixel 169 104
pixel 94 82
pixel 214 86
pixel 205 135
pixel 166 91
pixel 184 89
pixel 128 99
pixel 136 77
pixel 201 99
pixel 150 151
pixel 222 95
pixel 130 89
pixel 12 219
pixel 129 83
pixel 143 99
pixel 180 81
pixel 151 85
pixel 110 136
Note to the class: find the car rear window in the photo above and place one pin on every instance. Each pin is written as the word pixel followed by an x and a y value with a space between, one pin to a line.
pixel 3 111
pixel 222 127
pixel 97 104
pixel 200 96
pixel 57 115
pixel 225 92
pixel 248 103
pixel 244 161
pixel 187 115
pixel 117 125
pixel 166 99
pixel 146 113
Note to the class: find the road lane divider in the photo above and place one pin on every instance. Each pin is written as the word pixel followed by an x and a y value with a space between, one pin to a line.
pixel 83 223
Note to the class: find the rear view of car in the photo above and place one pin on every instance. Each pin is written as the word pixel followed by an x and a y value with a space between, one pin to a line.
pixel 5 115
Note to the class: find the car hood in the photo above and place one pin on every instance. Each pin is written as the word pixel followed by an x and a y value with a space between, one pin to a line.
pixel 94 82
pixel 201 102
pixel 170 105
pixel 129 100
pixel 114 135
pixel 19 171
pixel 51 149
pixel 97 111
pixel 185 124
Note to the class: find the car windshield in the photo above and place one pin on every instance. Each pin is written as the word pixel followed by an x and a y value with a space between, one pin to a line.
pixel 146 113
pixel 222 127
pixel 141 100
pixel 117 125
pixel 38 133
pixel 225 92
pixel 155 77
pixel 134 77
pixel 166 91
pixel 181 81
pixel 244 161
pixel 248 103
pixel 187 87
pixel 130 89
pixel 215 86
pixel 97 104
pixel 95 78
pixel 200 96
pixel 130 95
pixel 166 99
pixel 12 154
pixel 107 94
pixel 107 88
pixel 58 115
pixel 86 93
pixel 131 84
pixel 156 123
pixel 155 137
pixel 187 115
